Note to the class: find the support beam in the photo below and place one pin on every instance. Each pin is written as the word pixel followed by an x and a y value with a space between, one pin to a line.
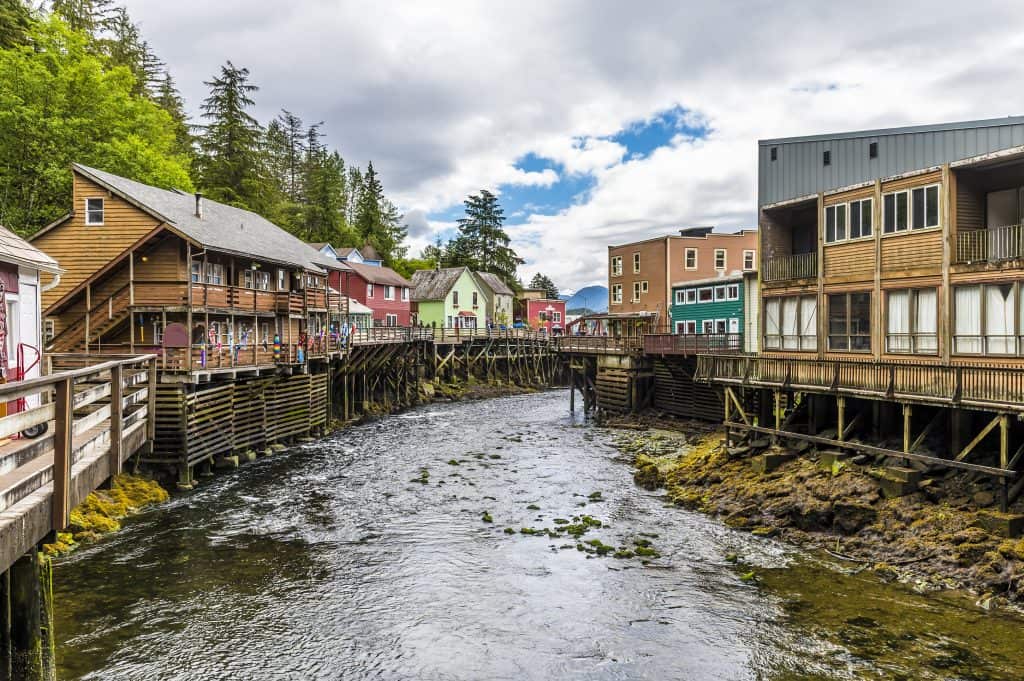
pixel 980 436
pixel 840 418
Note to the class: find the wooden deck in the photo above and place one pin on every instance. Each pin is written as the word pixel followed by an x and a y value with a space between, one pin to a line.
pixel 688 345
pixel 598 345
pixel 97 417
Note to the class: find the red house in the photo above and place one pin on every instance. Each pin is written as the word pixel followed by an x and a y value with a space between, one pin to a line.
pixel 381 289
pixel 544 313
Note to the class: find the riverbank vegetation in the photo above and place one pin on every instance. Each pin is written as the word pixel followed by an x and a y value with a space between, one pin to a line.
pixel 928 539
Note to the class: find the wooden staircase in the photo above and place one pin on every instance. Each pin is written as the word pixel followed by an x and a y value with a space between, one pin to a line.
pixel 102 318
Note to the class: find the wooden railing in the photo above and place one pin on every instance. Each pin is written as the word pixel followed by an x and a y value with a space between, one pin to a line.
pixel 987 387
pixel 599 344
pixel 95 321
pixel 990 245
pixel 290 302
pixel 316 298
pixel 785 267
pixel 96 414
pixel 691 344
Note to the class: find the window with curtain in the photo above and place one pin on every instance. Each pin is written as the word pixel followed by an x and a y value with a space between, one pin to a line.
pixel 912 321
pixel 791 323
pixel 809 323
pixel 772 329
pixel 1000 319
pixel 849 322
pixel 967 319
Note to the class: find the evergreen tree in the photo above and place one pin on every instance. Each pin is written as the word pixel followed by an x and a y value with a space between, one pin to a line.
pixel 169 99
pixel 230 162
pixel 544 283
pixel 353 189
pixel 368 205
pixel 88 17
pixel 324 191
pixel 15 22
pixel 482 243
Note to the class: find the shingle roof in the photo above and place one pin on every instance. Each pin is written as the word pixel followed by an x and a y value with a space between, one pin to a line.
pixel 494 282
pixel 377 275
pixel 222 228
pixel 434 284
pixel 16 250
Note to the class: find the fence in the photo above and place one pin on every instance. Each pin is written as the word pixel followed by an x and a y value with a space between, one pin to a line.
pixel 691 344
pixel 990 245
pixel 784 267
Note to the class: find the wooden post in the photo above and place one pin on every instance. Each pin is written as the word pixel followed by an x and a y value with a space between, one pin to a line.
pixel 116 407
pixel 572 390
pixel 63 420
pixel 908 412
pixel 726 415
pixel 151 406
pixel 1004 459
pixel 88 309
pixel 840 417
pixel 27 649
pixel 5 626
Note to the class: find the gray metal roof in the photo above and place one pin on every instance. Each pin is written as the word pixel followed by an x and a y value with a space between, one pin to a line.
pixel 222 228
pixel 494 282
pixel 799 168
pixel 434 284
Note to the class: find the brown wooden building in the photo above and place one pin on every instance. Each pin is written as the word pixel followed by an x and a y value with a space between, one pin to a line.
pixel 208 287
pixel 641 274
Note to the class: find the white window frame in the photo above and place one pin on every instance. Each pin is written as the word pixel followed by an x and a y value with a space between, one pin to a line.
pixel 389 292
pixel 833 214
pixel 215 274
pixel 679 297
pixel 701 290
pixel 197 272
pixel 616 266
pixel 751 256
pixel 865 206
pixel 707 326
pixel 636 263
pixel 912 346
pixel 369 291
pixel 803 342
pixel 721 326
pixel 909 194
pixel 691 296
pixel 645 286
pixel 724 253
pixel 405 293
pixel 556 317
pixel 282 280
pixel 474 297
pixel 732 292
pixel 89 212
pixel 689 326
pixel 636 292
pixel 616 294
pixel 390 319
pixel 721 293
pixel 686 258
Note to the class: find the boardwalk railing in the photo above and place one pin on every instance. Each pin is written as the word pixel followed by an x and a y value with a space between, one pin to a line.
pixel 990 245
pixel 96 416
pixel 610 345
pixel 987 387
pixel 785 267
pixel 691 344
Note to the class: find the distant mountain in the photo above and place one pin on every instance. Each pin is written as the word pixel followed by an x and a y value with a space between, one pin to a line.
pixel 593 298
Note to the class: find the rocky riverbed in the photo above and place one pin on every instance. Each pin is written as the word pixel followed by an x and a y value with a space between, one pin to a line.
pixel 944 535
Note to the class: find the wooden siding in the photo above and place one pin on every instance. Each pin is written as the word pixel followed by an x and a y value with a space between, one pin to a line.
pixel 852 260
pixel 866 192
pixel 912 252
pixel 83 250
pixel 919 180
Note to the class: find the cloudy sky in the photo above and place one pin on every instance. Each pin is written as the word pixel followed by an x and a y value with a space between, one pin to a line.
pixel 597 122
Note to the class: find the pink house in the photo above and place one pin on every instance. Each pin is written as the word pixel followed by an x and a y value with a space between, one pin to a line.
pixel 545 313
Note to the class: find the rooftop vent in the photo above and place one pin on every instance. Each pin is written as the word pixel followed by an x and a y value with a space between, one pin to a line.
pixel 199 205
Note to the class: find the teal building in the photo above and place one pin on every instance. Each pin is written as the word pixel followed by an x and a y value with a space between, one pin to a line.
pixel 708 306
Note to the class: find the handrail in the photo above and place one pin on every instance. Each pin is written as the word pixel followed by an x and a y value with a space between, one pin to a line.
pixel 990 245
pixel 797 266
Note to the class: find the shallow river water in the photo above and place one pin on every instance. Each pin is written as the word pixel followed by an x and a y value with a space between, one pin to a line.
pixel 335 560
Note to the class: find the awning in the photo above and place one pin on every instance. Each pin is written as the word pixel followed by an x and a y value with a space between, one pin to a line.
pixel 467 313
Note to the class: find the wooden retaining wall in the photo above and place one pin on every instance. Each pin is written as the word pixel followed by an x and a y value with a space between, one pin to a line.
pixel 676 393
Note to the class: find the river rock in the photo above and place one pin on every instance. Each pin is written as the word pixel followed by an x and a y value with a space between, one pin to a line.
pixel 812 514
pixel 851 516
pixel 983 499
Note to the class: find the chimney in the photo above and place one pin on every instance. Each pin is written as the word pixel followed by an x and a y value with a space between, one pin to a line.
pixel 199 205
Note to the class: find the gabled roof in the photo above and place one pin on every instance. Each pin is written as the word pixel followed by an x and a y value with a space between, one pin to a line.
pixel 355 307
pixel 346 251
pixel 222 228
pixel 435 284
pixel 15 250
pixel 376 274
pixel 494 282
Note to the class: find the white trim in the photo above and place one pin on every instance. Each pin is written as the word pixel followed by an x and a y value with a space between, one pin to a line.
pixel 686 255
pixel 102 210
pixel 725 259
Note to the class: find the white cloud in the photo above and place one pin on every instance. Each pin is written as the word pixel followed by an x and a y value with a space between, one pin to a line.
pixel 444 97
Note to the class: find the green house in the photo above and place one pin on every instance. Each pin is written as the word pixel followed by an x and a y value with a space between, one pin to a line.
pixel 708 306
pixel 450 297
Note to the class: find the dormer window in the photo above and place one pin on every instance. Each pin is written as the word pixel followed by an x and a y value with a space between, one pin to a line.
pixel 94 211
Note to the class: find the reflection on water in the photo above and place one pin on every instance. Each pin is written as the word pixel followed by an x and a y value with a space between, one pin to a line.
pixel 335 561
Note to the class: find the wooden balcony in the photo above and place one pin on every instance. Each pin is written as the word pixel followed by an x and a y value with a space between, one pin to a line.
pixel 989 387
pixel 598 345
pixel 788 267
pixel 290 302
pixel 990 245
pixel 316 299
pixel 688 345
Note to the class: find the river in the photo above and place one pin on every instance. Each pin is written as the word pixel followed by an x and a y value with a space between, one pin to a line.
pixel 341 559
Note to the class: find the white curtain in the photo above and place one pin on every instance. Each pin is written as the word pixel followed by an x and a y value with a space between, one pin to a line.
pixel 926 321
pixel 771 324
pixel 1000 319
pixel 790 323
pixel 809 322
pixel 967 312
pixel 898 325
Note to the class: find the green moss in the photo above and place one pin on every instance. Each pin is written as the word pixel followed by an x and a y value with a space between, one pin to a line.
pixel 748 577
pixel 623 553
pixel 646 552
pixel 509 530
pixel 453 462
pixel 533 507
pixel 487 517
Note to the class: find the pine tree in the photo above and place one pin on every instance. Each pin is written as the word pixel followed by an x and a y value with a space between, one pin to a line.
pixel 544 283
pixel 89 17
pixel 230 164
pixel 169 99
pixel 368 205
pixel 295 140
pixel 353 189
pixel 482 243
pixel 15 22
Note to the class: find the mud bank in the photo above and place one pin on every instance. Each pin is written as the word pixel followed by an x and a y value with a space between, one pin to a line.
pixel 942 536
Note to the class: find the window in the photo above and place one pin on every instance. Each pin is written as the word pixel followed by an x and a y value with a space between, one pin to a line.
pixel 721 326
pixel 986 319
pixel 719 258
pixel 680 297
pixel 405 293
pixel 263 280
pixel 390 320
pixel 748 260
pixel 616 294
pixel 873 150
pixel 256 279
pixel 721 293
pixel 895 209
pixel 924 207
pixel 688 326
pixel 644 287
pixel 791 323
pixel 911 321
pixel 474 296
pixel 707 326
pixel 835 223
pixel 158 333
pixel 542 316
pixel 690 259
pixel 12 329
pixel 826 158
pixel 734 325
pixel 617 266
pixel 94 211
pixel 455 298
pixel 556 317
pixel 774 153
pixel 197 272
pixel 691 296
pixel 369 291
pixel 48 330
pixel 636 291
pixel 389 292
pixel 849 322
pixel 215 274
pixel 705 295
pixel 860 218
pixel 282 280
pixel 732 292
pixel 636 263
